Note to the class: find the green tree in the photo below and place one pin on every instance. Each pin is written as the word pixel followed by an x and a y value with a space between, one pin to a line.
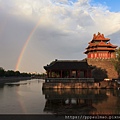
pixel 9 73
pixel 2 72
pixel 17 73
pixel 25 75
pixel 116 61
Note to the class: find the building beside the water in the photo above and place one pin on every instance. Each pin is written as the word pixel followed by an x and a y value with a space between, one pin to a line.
pixel 97 65
pixel 68 69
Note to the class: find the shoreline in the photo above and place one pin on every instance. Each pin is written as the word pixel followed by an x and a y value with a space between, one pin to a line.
pixel 4 80
pixel 81 85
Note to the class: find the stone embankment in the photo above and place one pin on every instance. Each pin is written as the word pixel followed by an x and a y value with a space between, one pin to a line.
pixel 106 66
pixel 12 79
pixel 88 85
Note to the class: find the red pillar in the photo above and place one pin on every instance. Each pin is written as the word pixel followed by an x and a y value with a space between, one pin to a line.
pixel 90 73
pixel 78 74
pixel 87 74
pixel 55 74
pixel 89 55
pixel 109 56
pixel 97 55
pixel 70 73
pixel 48 74
pixel 61 74
pixel 84 74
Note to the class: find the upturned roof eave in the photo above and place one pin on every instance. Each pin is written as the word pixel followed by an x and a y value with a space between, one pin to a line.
pixel 68 65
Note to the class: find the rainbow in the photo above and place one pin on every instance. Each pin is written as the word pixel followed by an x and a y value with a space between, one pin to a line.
pixel 25 46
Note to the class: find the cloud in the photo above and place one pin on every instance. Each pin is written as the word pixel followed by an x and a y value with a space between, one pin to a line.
pixel 64 30
pixel 115 38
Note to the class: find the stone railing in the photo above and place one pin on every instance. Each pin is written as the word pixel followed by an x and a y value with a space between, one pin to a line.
pixel 68 80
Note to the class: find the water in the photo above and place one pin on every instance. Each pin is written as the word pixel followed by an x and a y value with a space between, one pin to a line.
pixel 27 97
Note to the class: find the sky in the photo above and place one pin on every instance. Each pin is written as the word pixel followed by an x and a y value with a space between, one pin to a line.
pixel 34 33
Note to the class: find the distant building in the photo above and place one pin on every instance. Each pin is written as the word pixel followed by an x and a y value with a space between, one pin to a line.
pixel 100 48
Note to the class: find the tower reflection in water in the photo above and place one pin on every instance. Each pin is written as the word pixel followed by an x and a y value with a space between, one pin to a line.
pixel 72 101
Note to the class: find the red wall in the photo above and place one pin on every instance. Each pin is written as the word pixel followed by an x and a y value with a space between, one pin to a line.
pixel 101 55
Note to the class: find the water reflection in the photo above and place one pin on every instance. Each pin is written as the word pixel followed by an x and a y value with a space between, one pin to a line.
pixel 22 97
pixel 16 84
pixel 28 97
pixel 1 86
pixel 79 101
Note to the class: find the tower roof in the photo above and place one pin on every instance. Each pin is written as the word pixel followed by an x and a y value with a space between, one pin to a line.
pixel 100 43
pixel 100 36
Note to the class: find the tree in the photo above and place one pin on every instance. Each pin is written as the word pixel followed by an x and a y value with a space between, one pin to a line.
pixel 9 73
pixel 99 74
pixel 2 72
pixel 17 73
pixel 116 61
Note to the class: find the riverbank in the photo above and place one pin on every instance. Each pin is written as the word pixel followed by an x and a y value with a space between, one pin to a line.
pixel 89 85
pixel 4 80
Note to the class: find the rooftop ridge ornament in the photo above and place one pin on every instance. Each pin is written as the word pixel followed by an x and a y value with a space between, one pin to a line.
pixel 99 36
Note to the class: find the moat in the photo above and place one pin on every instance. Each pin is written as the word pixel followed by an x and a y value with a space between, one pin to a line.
pixel 27 97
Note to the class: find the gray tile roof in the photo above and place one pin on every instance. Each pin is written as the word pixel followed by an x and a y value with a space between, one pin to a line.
pixel 67 65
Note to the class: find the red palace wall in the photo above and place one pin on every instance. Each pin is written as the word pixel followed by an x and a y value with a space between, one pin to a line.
pixel 101 55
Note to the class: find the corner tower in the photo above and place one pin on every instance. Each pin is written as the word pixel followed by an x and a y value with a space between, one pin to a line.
pixel 100 48
pixel 99 54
